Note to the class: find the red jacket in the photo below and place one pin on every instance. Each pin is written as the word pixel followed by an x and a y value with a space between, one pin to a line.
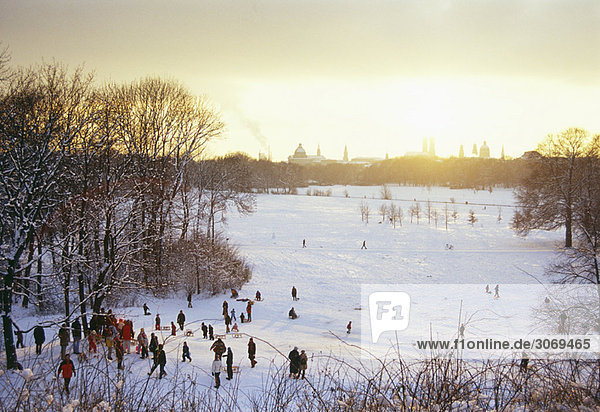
pixel 67 368
pixel 126 332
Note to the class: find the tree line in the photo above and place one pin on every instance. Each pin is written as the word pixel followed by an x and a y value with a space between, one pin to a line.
pixel 104 189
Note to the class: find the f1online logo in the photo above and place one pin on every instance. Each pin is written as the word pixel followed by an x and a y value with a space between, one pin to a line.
pixel 388 311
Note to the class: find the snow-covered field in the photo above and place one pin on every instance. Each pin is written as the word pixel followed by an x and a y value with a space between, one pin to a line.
pixel 328 273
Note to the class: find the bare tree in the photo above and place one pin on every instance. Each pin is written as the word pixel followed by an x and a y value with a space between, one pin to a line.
pixel 383 211
pixel 472 219
pixel 38 113
pixel 386 193
pixel 547 195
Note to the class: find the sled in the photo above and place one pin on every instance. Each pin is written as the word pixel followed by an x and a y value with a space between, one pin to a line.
pixel 166 328
pixel 189 332
pixel 220 336
pixel 235 369
pixel 236 335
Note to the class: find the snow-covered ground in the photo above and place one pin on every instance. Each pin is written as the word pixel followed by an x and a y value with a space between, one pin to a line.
pixel 329 272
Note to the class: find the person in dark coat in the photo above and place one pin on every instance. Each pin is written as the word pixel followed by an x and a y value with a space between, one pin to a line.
pixel 146 310
pixel 227 323
pixel 229 363
pixel 218 347
pixel 242 318
pixel 161 360
pixel 189 299
pixel 294 358
pixel 258 296
pixel 157 322
pixel 211 334
pixel 349 327
pixel 225 308
pixel 76 332
pixel 186 352
pixel 294 293
pixel 181 319
pixel 292 314
pixel 204 331
pixel 67 368
pixel 119 351
pixel 303 364
pixel 63 335
pixel 19 334
pixel 153 347
pixel 39 337
pixel 252 352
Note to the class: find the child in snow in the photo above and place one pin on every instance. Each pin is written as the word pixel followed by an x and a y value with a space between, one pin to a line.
pixel 186 352
pixel 173 329
pixel 67 368
pixel 349 327
pixel 292 314
pixel 157 322
pixel 216 371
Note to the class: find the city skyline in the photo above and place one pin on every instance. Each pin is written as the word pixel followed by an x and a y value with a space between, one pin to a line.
pixel 378 76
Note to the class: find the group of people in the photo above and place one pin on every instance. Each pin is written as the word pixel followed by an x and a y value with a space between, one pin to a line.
pixel 298 363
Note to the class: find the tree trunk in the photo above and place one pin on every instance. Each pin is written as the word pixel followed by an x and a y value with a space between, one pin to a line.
pixel 9 343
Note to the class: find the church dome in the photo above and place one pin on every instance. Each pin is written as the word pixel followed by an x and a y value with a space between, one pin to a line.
pixel 300 152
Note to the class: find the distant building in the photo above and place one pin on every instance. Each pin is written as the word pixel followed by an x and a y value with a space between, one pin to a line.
pixel 484 151
pixel 425 145
pixel 474 152
pixel 502 154
pixel 431 150
pixel 461 152
pixel 300 156
pixel 345 158
pixel 532 155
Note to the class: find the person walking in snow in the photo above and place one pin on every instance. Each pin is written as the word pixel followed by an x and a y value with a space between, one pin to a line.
pixel 119 351
pixel 189 299
pixel 143 343
pixel 161 360
pixel 303 364
pixel 364 245
pixel 225 308
pixel 127 335
pixel 181 319
pixel 252 352
pixel 110 333
pixel 497 291
pixel 229 363
pixel 63 335
pixel 153 347
pixel 211 335
pixel 303 243
pixel 294 358
pixel 204 331
pixel 216 367
pixel 294 293
pixel 487 289
pixel 67 368
pixel 76 333
pixel 157 322
pixel 39 337
pixel 19 334
pixel 249 311
pixel 349 327
pixel 227 323
pixel 92 342
pixel 186 352
pixel 173 329
pixel 218 347
pixel 146 310
pixel 233 315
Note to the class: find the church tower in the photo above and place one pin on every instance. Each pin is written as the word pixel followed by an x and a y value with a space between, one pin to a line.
pixel 318 150
pixel 461 152
pixel 345 158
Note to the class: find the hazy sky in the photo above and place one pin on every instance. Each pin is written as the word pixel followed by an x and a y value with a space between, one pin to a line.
pixel 378 76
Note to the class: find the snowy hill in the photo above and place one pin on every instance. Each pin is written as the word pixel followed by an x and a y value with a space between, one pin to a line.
pixel 328 274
